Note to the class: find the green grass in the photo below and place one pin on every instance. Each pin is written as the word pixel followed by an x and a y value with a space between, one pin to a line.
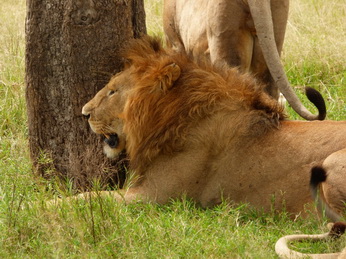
pixel 313 56
pixel 105 229
pixel 314 52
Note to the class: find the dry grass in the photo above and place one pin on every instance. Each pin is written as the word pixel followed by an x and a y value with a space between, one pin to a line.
pixel 153 10
pixel 317 31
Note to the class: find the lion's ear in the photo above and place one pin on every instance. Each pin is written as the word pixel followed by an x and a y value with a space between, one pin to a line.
pixel 169 74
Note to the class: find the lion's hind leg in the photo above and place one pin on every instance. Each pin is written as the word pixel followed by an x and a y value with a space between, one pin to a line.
pixel 319 176
pixel 330 178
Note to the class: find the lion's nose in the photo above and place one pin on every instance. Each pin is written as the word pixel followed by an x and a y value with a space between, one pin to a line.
pixel 86 111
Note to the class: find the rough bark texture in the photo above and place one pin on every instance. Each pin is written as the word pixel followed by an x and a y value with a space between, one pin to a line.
pixel 72 50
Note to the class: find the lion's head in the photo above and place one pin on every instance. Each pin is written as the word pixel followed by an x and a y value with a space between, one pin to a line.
pixel 105 109
pixel 104 112
pixel 162 94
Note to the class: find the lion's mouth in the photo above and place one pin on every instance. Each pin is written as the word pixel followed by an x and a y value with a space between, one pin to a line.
pixel 112 140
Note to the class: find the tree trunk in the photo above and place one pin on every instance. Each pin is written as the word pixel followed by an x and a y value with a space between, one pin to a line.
pixel 72 49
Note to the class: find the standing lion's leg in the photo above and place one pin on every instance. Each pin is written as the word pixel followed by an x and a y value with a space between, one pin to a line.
pixel 229 40
pixel 334 188
pixel 279 11
pixel 172 34
pixel 260 69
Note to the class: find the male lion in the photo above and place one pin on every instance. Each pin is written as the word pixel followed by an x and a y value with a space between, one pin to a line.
pixel 206 133
pixel 248 34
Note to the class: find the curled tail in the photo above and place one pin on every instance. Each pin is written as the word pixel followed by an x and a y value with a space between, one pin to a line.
pixel 262 17
pixel 283 251
pixel 316 98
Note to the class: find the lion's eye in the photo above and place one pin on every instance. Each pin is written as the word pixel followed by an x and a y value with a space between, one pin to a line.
pixel 111 92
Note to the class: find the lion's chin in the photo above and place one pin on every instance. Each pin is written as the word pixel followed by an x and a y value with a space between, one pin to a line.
pixel 111 152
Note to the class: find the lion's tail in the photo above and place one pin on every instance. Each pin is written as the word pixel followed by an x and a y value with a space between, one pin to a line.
pixel 283 251
pixel 318 176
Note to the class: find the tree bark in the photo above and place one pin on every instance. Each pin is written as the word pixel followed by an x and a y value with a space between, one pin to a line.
pixel 72 49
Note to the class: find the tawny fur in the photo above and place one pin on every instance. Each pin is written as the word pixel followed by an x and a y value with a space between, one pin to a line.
pixel 207 133
pixel 246 34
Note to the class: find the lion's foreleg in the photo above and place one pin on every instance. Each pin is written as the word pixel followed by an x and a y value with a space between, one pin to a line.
pixel 121 196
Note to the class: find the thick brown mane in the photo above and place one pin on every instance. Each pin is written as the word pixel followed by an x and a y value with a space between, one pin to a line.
pixel 172 94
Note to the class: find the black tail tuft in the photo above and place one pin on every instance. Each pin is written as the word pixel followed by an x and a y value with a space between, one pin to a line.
pixel 337 230
pixel 318 175
pixel 316 98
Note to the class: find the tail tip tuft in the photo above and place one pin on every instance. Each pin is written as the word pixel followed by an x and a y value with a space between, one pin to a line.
pixel 316 98
pixel 318 175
